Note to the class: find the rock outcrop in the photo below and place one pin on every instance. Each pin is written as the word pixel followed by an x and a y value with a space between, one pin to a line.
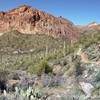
pixel 28 20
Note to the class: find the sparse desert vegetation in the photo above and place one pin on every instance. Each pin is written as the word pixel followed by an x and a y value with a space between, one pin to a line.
pixel 43 57
pixel 50 63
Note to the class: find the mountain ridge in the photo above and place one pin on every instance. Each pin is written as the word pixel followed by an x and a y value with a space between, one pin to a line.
pixel 29 20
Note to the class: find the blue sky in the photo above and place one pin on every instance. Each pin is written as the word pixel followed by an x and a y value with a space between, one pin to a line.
pixel 78 11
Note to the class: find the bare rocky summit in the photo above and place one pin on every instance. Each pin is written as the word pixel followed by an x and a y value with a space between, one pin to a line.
pixel 28 20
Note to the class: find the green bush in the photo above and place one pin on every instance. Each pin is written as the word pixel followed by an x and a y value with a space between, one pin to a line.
pixel 40 67
pixel 98 76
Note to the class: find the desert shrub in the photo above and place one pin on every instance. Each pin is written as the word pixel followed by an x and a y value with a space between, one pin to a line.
pixel 3 79
pixel 97 79
pixel 71 70
pixel 74 68
pixel 51 56
pixel 1 67
pixel 40 67
pixel 48 69
pixel 79 69
pixel 3 74
pixel 96 91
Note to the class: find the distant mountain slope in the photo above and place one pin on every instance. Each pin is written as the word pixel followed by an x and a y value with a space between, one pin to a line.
pixel 91 28
pixel 26 19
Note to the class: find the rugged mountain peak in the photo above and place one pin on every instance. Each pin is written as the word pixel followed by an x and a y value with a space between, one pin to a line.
pixel 28 20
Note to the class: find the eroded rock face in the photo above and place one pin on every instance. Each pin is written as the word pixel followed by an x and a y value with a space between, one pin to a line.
pixel 32 21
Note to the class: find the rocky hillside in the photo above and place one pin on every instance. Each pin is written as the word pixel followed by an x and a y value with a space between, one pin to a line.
pixel 28 20
pixel 54 76
pixel 37 62
pixel 89 28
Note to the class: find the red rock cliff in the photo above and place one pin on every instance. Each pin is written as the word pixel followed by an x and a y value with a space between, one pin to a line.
pixel 29 20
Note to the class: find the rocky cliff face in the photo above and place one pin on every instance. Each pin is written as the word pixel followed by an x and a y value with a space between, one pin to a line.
pixel 29 20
